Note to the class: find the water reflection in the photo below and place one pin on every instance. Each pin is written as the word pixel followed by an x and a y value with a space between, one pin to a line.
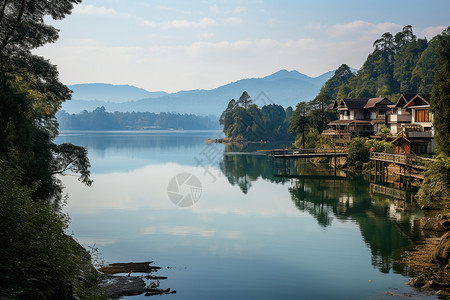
pixel 386 223
pixel 124 151
pixel 329 231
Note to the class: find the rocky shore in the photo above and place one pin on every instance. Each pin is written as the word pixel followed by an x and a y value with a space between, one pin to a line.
pixel 117 286
pixel 430 260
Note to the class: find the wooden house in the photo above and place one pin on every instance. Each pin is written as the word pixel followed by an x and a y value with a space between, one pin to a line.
pixel 411 120
pixel 357 117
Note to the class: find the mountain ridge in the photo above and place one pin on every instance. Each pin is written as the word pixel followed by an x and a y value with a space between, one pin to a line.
pixel 283 87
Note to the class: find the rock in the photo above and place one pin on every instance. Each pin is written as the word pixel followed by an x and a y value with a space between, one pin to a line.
pixel 442 253
pixel 439 223
pixel 118 286
pixel 442 293
pixel 418 281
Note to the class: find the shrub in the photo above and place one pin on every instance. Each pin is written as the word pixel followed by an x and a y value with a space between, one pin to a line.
pixel 37 259
pixel 358 153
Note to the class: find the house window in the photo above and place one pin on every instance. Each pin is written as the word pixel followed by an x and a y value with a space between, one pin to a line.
pixel 423 115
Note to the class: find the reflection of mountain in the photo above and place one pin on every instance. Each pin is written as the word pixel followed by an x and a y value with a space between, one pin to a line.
pixel 242 169
pixel 350 200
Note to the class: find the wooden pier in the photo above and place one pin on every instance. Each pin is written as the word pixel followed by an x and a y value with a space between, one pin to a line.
pixel 308 153
pixel 408 167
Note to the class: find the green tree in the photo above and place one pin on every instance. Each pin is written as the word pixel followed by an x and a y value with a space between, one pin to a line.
pixel 440 97
pixel 342 75
pixel 300 121
pixel 31 92
pixel 38 261
pixel 358 153
pixel 423 73
pixel 320 116
pixel 244 100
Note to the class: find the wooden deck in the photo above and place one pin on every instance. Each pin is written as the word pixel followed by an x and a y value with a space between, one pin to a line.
pixel 308 153
pixel 408 160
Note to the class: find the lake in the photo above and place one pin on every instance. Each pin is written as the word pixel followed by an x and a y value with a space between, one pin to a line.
pixel 230 226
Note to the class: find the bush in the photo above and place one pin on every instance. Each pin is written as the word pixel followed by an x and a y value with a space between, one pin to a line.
pixel 37 259
pixel 358 153
pixel 435 190
pixel 314 140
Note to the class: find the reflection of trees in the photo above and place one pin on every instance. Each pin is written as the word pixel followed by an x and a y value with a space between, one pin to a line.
pixel 350 200
pixel 242 170
pixel 103 141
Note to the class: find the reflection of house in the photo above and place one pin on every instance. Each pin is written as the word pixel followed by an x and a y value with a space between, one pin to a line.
pixel 357 117
pixel 411 116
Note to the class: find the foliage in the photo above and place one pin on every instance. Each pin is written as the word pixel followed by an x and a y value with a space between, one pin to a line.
pixel 333 85
pixel 31 94
pixel 383 132
pixel 38 259
pixel 435 190
pixel 358 153
pixel 440 97
pixel 244 121
pixel 379 146
pixel 400 63
pixel 99 119
pixel 313 139
pixel 311 115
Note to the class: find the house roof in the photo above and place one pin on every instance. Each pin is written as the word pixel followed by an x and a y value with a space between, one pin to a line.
pixel 353 103
pixel 408 100
pixel 400 138
pixel 372 102
pixel 361 103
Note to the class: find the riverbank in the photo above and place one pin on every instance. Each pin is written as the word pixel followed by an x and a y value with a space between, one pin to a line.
pixel 429 261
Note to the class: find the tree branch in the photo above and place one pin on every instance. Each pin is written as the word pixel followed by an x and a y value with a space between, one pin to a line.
pixel 2 13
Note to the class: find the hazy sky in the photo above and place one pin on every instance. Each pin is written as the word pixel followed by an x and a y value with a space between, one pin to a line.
pixel 174 45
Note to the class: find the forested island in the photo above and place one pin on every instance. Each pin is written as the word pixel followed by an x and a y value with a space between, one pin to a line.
pixel 100 119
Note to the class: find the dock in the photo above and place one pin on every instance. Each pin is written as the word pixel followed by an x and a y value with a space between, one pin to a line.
pixel 410 167
pixel 308 153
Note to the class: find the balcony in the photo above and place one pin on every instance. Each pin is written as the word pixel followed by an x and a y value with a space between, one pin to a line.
pixel 420 134
pixel 399 119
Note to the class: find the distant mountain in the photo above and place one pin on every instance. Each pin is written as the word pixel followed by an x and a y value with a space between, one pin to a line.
pixel 286 88
pixel 111 93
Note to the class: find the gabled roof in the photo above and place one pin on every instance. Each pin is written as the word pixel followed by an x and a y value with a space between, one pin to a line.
pixel 401 138
pixel 353 103
pixel 333 105
pixel 418 100
pixel 403 99
pixel 362 103
pixel 372 102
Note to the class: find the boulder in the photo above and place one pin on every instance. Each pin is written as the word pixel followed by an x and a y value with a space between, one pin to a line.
pixel 439 223
pixel 119 286
pixel 441 255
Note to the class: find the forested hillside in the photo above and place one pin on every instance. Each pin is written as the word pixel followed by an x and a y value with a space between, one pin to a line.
pixel 400 63
pixel 99 119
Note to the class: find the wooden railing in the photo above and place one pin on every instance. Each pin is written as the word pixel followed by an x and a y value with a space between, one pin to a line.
pixel 405 159
pixel 306 151
pixel 384 190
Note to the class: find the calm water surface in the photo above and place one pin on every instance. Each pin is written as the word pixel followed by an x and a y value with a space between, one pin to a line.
pixel 251 235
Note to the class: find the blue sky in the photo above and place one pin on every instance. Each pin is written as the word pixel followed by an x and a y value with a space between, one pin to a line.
pixel 174 45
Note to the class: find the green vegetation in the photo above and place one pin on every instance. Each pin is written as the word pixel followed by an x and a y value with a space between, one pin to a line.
pixel 435 190
pixel 400 63
pixel 440 97
pixel 99 119
pixel 359 151
pixel 244 121
pixel 37 259
pixel 309 119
